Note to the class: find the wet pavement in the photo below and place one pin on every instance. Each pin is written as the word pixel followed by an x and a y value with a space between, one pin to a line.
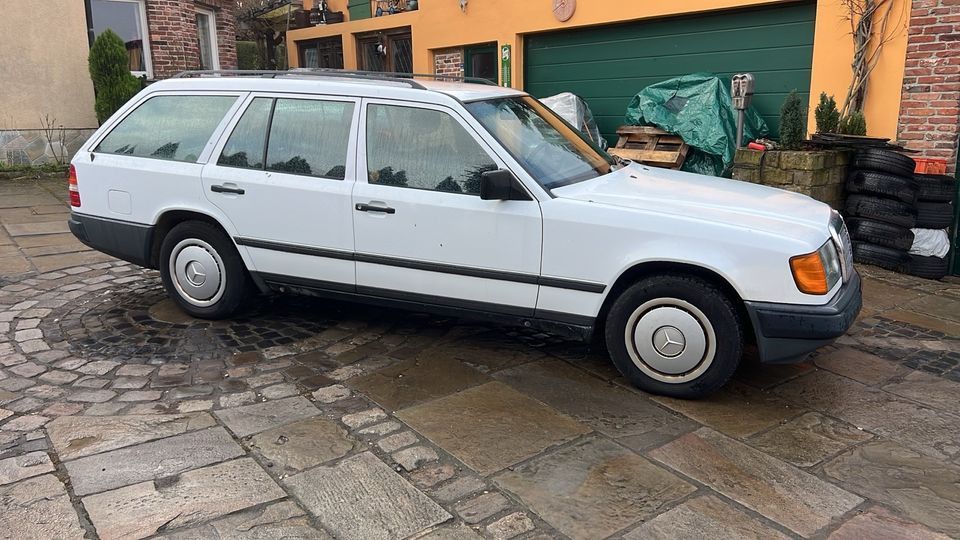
pixel 120 417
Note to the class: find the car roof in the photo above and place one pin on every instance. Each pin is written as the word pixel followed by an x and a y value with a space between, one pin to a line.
pixel 429 91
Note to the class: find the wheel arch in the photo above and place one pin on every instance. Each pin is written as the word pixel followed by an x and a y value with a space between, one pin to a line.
pixel 169 219
pixel 646 269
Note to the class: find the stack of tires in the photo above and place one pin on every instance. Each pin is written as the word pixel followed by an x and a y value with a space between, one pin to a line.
pixel 934 214
pixel 881 207
pixel 887 204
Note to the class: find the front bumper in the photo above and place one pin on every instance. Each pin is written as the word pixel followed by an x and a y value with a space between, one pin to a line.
pixel 789 332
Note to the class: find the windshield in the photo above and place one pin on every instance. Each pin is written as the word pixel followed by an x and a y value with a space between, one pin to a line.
pixel 550 150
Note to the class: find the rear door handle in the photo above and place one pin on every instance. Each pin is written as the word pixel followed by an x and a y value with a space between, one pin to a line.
pixel 370 208
pixel 227 189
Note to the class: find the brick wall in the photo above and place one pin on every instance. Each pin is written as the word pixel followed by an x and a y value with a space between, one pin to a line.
pixel 930 105
pixel 173 34
pixel 448 62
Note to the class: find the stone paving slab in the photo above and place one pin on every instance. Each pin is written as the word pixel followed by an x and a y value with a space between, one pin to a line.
pixel 38 508
pixel 492 426
pixel 302 444
pixel 920 487
pixel 797 500
pixel 17 468
pixel 809 439
pixel 187 500
pixel 705 517
pixel 250 419
pixel 609 409
pixel 78 436
pixel 43 227
pixel 878 523
pixel 152 460
pixel 593 488
pixel 362 498
pixel 414 381
pixel 736 410
pixel 282 520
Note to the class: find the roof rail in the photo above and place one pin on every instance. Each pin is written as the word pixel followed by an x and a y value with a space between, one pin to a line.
pixel 404 78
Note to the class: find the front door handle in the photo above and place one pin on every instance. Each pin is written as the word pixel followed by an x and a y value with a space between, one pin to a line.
pixel 227 189
pixel 370 208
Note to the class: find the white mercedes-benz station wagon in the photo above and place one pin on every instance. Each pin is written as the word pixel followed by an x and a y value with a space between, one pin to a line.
pixel 462 199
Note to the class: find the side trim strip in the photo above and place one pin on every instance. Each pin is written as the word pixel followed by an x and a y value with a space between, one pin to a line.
pixel 516 277
pixel 575 326
pixel 293 248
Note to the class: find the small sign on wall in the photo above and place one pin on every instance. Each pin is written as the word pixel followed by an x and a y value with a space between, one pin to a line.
pixel 505 71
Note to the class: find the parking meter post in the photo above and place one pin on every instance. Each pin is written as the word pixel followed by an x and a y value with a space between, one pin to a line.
pixel 741 92
pixel 741 114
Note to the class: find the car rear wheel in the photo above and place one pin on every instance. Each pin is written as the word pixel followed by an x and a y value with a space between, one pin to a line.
pixel 676 336
pixel 202 270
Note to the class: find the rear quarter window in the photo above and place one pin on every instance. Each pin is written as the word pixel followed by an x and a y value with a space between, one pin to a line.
pixel 173 128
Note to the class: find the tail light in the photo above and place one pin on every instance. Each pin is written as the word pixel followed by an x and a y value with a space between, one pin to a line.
pixel 74 191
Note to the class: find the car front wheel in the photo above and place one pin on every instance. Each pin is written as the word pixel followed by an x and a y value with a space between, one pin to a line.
pixel 202 270
pixel 674 335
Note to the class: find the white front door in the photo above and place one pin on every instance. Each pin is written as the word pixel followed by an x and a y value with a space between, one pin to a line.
pixel 283 177
pixel 422 232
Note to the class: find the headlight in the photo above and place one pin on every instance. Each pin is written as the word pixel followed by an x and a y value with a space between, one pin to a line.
pixel 817 272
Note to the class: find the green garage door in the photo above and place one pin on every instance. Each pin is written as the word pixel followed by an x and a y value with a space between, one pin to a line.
pixel 608 65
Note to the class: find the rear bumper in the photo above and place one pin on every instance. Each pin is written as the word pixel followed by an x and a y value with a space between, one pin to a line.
pixel 789 332
pixel 124 240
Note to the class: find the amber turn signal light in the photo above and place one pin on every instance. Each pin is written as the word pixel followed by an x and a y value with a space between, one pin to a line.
pixel 809 273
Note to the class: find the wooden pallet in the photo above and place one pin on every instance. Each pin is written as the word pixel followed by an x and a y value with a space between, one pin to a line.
pixel 650 146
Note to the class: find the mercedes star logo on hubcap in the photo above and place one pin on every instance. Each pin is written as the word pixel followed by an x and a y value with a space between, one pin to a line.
pixel 669 341
pixel 195 273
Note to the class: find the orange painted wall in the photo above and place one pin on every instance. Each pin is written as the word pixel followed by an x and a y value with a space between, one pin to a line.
pixel 440 24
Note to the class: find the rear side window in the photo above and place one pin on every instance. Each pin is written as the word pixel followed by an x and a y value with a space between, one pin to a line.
pixel 168 127
pixel 310 137
pixel 248 142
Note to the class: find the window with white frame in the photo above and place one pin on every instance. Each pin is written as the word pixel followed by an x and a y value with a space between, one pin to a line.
pixel 207 39
pixel 128 19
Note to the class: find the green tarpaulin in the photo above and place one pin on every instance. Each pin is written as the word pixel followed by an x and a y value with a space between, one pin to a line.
pixel 698 108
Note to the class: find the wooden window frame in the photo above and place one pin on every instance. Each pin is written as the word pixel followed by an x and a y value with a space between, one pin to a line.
pixel 389 37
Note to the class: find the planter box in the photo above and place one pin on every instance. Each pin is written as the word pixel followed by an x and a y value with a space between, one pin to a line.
pixel 820 174
pixel 359 9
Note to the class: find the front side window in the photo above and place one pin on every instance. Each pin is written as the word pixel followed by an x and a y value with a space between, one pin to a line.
pixel 168 127
pixel 310 137
pixel 127 18
pixel 423 149
pixel 551 151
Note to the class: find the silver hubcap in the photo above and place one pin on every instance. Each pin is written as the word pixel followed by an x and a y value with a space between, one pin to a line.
pixel 670 340
pixel 197 272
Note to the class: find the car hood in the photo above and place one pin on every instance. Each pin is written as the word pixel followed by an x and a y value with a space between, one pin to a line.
pixel 703 197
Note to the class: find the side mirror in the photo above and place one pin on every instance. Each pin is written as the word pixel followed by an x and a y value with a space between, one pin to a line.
pixel 501 185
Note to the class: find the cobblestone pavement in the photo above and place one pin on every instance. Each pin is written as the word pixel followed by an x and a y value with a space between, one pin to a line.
pixel 122 418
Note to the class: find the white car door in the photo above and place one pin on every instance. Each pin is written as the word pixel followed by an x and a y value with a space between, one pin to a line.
pixel 422 232
pixel 283 177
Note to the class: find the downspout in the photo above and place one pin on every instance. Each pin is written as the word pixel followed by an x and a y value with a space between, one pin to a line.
pixel 88 11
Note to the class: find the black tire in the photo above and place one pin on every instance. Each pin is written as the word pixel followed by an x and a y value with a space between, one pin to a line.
pixel 884 257
pixel 886 161
pixel 229 269
pixel 685 300
pixel 885 210
pixel 935 187
pixel 927 267
pixel 880 233
pixel 885 185
pixel 934 215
